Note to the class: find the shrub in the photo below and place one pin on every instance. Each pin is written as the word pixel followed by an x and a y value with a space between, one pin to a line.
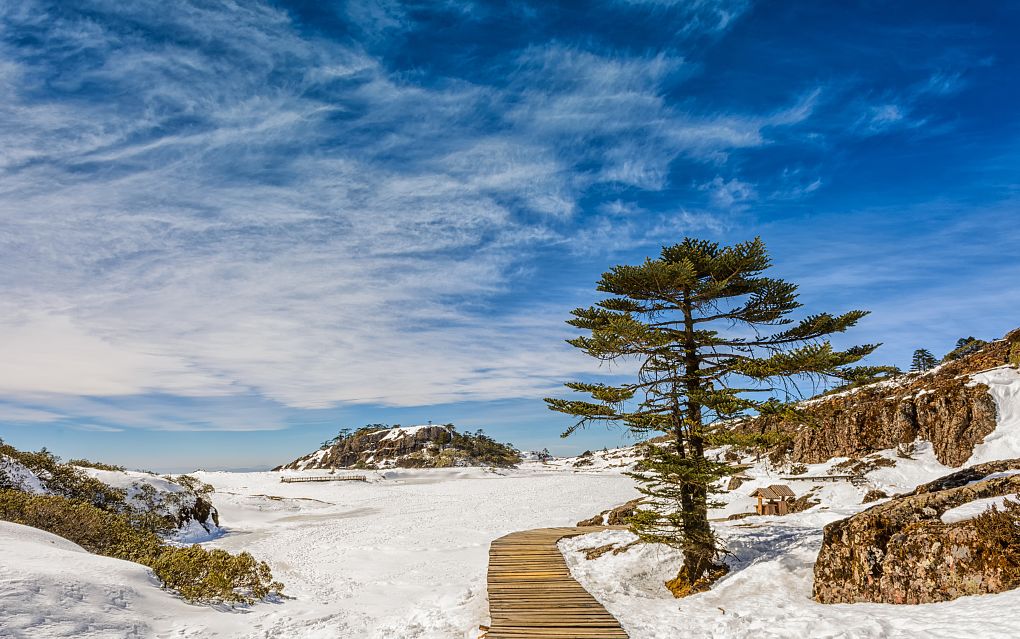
pixel 214 576
pixel 192 483
pixel 1000 529
pixel 84 463
pixel 66 480
pixel 197 574
pixel 93 529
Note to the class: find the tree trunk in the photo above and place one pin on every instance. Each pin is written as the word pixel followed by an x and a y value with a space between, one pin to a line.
pixel 699 549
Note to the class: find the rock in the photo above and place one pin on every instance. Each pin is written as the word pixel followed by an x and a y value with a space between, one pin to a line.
pixel 736 481
pixel 805 501
pixel 425 446
pixel 874 495
pixel 900 551
pixel 619 516
pixel 943 407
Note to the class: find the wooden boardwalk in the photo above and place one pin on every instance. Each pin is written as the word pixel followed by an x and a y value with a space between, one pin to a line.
pixel 533 596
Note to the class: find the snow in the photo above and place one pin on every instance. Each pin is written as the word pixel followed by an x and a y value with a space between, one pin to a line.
pixel 404 554
pixel 401 555
pixel 1004 442
pixel 767 593
pixel 972 509
pixel 399 432
pixel 608 460
pixel 50 587
pixel 20 476
pixel 768 590
pixel 131 482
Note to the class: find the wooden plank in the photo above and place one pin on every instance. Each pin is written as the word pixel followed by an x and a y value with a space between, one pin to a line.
pixel 533 596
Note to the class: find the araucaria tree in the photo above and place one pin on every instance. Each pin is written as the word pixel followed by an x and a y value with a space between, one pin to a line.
pixel 702 325
pixel 922 361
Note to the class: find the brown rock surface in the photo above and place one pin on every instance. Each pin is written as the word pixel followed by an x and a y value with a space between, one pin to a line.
pixel 372 446
pixel 942 406
pixel 619 516
pixel 900 551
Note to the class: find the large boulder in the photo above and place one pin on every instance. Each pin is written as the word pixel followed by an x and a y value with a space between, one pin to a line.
pixel 619 516
pixel 909 550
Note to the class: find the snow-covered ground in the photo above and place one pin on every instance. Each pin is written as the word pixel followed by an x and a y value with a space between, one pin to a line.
pixel 404 555
pixel 768 591
pixel 401 556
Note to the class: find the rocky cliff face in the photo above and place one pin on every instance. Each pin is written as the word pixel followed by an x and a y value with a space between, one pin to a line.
pixel 942 406
pixel 908 550
pixel 425 446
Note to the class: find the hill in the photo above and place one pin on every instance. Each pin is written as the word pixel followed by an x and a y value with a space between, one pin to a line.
pixel 421 446
pixel 953 406
pixel 178 508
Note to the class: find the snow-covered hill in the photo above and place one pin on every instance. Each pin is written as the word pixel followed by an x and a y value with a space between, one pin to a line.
pixel 181 501
pixel 420 446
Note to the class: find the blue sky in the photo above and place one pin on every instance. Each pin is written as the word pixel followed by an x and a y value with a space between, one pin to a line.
pixel 229 229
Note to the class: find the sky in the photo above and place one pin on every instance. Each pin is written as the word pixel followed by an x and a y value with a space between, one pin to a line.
pixel 229 229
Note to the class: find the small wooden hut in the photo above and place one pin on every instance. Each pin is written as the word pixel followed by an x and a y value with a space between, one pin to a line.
pixel 773 500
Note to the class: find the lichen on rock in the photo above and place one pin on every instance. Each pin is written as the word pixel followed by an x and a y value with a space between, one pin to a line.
pixel 943 406
pixel 902 552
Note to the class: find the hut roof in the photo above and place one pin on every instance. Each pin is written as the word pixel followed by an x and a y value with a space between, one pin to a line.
pixel 775 491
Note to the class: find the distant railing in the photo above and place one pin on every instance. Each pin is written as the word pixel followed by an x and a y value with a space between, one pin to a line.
pixel 856 480
pixel 291 480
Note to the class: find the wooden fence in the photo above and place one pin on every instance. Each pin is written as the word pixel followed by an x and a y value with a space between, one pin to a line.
pixel 291 480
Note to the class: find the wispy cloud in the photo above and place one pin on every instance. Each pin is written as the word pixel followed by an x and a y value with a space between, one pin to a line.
pixel 261 211
pixel 222 202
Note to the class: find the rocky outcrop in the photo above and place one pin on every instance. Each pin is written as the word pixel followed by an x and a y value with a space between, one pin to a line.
pixel 372 445
pixel 942 406
pixel 424 446
pixel 902 551
pixel 619 516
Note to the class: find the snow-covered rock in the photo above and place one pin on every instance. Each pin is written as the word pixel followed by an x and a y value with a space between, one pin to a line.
pixel 177 499
pixel 953 406
pixel 420 446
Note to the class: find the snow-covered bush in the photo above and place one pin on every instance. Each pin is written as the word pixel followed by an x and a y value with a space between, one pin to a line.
pixel 197 574
pixel 174 507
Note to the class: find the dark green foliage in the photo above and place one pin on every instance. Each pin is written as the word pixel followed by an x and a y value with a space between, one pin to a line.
pixel 197 574
pixel 448 448
pixel 964 346
pixel 153 508
pixel 92 528
pixel 84 463
pixel 922 361
pixel 708 333
pixel 214 576
pixel 485 450
pixel 192 484
pixel 66 480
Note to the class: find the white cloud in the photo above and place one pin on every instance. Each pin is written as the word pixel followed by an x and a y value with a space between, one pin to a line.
pixel 729 194
pixel 209 230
